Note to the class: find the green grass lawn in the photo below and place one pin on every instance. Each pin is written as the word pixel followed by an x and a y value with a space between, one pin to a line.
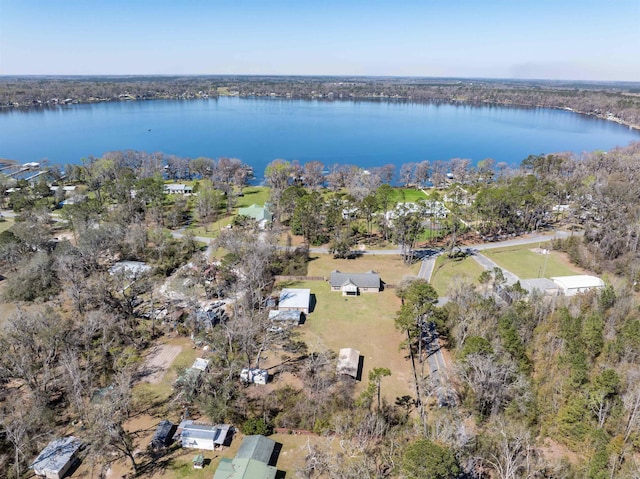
pixel 407 195
pixel 525 263
pixel 366 323
pixel 6 224
pixel 211 230
pixel 448 270
pixel 253 195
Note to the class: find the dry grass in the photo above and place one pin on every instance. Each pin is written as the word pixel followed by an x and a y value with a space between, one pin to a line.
pixel 365 323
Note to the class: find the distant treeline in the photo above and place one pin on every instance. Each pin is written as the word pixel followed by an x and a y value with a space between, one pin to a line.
pixel 618 101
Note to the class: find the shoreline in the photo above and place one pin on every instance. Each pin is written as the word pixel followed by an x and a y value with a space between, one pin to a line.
pixel 505 104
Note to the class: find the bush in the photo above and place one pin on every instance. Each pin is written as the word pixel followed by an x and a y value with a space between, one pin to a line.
pixel 257 426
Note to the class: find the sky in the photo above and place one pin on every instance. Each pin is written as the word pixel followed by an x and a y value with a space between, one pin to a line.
pixel 532 39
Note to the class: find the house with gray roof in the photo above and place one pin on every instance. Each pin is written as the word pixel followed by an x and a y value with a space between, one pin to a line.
pixel 204 436
pixel 352 284
pixel 255 460
pixel 56 459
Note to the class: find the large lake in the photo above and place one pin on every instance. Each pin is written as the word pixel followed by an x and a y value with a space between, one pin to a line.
pixel 258 130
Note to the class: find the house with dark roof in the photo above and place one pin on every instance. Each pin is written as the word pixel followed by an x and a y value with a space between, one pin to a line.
pixel 255 459
pixel 163 435
pixel 352 284
pixel 56 459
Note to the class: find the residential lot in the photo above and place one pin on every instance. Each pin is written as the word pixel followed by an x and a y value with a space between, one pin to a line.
pixel 529 261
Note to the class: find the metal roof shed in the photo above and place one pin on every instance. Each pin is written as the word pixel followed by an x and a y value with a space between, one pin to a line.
pixel 55 460
pixel 295 299
pixel 348 362
pixel 572 285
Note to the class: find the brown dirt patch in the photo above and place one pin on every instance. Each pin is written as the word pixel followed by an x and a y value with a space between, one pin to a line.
pixel 158 362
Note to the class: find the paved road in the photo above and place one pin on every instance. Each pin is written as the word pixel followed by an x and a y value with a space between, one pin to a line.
pixel 489 265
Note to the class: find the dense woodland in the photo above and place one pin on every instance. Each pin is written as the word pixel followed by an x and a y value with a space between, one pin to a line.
pixel 617 101
pixel 544 387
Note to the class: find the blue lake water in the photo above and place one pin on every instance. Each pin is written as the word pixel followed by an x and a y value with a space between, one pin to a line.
pixel 259 130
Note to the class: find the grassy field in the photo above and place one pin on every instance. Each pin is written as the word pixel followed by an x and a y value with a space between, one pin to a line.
pixel 407 195
pixel 365 323
pixel 253 195
pixel 448 270
pixel 525 263
pixel 391 268
pixel 6 224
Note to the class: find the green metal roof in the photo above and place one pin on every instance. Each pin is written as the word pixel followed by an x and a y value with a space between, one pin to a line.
pixel 244 469
pixel 256 212
pixel 257 447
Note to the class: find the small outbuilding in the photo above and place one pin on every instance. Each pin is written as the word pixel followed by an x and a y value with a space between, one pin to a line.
pixel 572 285
pixel 163 435
pixel 254 376
pixel 349 362
pixel 204 436
pixel 293 317
pixel 295 299
pixel 56 459
pixel 352 284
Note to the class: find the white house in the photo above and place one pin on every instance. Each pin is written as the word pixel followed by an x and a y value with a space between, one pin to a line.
pixel 55 460
pixel 203 436
pixel 255 376
pixel 178 189
pixel 295 299
pixel 572 285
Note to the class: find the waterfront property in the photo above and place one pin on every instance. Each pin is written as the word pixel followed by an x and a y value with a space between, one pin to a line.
pixel 178 189
pixel 260 214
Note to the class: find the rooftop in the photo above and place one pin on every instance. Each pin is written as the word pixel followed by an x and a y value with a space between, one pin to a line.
pixel 294 298
pixel 370 279
pixel 578 281
pixel 258 448
pixel 57 454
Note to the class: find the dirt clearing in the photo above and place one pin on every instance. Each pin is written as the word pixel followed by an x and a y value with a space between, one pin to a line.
pixel 158 362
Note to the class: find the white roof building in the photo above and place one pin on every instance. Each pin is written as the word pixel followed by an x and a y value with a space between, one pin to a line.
pixel 295 299
pixel 572 285
pixel 349 362
pixel 55 460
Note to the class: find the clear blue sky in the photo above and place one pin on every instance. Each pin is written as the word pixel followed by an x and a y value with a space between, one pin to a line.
pixel 558 39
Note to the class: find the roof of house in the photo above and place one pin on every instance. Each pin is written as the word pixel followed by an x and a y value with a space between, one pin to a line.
pixel 578 281
pixel 541 284
pixel 57 454
pixel 292 316
pixel 130 267
pixel 217 434
pixel 244 469
pixel 294 298
pixel 200 364
pixel 177 187
pixel 348 361
pixel 258 213
pixel 258 448
pixel 370 279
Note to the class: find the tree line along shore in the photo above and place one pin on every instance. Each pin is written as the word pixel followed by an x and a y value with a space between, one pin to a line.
pixel 619 102
pixel 541 386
